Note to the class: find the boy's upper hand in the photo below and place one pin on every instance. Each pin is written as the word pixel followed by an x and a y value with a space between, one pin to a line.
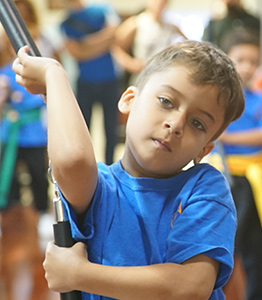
pixel 31 71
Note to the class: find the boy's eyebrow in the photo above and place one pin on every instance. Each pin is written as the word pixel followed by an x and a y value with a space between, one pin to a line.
pixel 173 89
pixel 210 116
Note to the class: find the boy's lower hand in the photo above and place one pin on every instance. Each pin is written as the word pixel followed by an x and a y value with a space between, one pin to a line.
pixel 62 266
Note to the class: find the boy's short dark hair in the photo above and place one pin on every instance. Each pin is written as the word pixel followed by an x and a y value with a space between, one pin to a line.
pixel 239 36
pixel 208 65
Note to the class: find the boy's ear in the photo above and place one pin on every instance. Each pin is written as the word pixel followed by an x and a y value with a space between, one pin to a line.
pixel 205 151
pixel 126 100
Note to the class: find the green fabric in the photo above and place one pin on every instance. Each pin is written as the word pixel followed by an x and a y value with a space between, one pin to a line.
pixel 10 153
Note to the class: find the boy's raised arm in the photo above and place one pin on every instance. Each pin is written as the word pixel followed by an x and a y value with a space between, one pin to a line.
pixel 69 144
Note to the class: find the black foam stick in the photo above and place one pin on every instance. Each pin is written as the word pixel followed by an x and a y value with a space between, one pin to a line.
pixel 63 238
pixel 15 28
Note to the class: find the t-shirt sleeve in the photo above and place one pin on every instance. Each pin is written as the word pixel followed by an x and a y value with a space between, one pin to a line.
pixel 206 223
pixel 99 214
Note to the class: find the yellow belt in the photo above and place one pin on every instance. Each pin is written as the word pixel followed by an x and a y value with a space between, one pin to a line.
pixel 249 166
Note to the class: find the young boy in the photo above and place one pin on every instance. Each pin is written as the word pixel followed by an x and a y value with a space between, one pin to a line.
pixel 242 143
pixel 152 231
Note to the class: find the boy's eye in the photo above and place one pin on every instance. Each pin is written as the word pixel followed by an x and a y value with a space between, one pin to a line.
pixel 165 102
pixel 197 124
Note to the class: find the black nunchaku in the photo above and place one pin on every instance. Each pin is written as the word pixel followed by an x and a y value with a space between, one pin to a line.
pixel 19 36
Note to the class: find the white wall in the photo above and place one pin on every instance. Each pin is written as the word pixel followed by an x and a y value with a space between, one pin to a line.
pixel 189 15
pixel 133 6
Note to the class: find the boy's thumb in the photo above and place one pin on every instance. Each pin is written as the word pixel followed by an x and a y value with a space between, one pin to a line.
pixel 80 248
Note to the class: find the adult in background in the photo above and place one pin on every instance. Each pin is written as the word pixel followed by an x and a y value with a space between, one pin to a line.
pixel 236 17
pixel 141 36
pixel 89 38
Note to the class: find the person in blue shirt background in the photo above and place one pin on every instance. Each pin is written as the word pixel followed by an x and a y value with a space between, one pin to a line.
pixel 23 133
pixel 23 136
pixel 242 151
pixel 89 37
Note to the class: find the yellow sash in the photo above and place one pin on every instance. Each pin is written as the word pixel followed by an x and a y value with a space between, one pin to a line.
pixel 249 166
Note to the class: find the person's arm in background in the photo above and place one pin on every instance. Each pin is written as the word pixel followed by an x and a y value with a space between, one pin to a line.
pixel 94 44
pixel 251 137
pixel 7 53
pixel 177 31
pixel 4 92
pixel 125 34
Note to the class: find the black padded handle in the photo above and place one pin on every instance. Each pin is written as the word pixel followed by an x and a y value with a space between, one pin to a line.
pixel 63 238
pixel 15 27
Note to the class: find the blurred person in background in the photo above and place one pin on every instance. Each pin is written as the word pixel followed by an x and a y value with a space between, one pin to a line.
pixel 89 31
pixel 236 17
pixel 141 36
pixel 23 129
pixel 242 148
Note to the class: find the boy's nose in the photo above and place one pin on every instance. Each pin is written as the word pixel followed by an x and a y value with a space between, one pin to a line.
pixel 176 128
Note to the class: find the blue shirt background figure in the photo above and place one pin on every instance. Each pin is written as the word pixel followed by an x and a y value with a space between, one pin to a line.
pixel 89 37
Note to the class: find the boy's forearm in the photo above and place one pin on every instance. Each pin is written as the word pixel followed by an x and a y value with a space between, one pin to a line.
pixel 160 281
pixel 69 144
pixel 65 123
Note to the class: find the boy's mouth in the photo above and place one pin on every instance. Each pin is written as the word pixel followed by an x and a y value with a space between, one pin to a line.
pixel 162 144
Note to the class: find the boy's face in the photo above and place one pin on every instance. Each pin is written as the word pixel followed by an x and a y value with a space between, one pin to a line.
pixel 171 122
pixel 246 60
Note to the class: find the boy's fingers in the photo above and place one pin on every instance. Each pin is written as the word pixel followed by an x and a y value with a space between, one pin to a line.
pixel 23 50
pixel 19 79
pixel 26 82
pixel 22 54
pixel 17 67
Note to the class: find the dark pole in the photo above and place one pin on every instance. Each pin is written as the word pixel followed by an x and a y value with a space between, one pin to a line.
pixel 19 36
pixel 15 27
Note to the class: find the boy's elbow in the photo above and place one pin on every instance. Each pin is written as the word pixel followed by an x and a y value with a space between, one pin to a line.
pixel 187 290
pixel 70 161
pixel 188 293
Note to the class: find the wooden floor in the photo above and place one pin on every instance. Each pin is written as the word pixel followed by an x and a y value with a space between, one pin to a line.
pixel 21 272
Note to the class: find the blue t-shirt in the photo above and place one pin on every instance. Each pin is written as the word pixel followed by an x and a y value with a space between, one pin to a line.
pixel 250 119
pixel 143 221
pixel 80 24
pixel 33 134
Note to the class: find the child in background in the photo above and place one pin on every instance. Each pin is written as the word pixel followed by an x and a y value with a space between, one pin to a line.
pixel 151 230
pixel 242 146
pixel 23 133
